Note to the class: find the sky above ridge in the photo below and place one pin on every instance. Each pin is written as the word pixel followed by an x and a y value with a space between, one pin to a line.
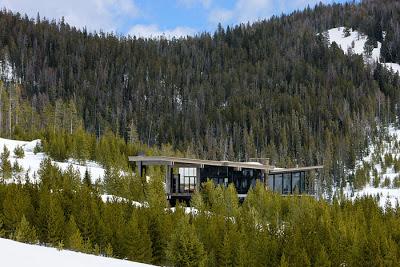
pixel 150 18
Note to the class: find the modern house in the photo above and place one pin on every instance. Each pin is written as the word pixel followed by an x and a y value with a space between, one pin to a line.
pixel 183 176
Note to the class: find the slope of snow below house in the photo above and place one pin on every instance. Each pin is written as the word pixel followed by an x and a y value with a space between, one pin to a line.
pixel 31 161
pixel 18 254
pixel 384 194
pixel 358 40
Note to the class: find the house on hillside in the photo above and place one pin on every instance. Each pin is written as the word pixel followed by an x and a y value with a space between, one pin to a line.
pixel 183 176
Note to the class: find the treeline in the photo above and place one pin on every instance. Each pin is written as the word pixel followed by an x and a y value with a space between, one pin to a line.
pixel 62 133
pixel 62 211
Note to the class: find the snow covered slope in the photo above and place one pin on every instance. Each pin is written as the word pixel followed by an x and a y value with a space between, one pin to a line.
pixel 31 161
pixel 384 187
pixel 16 254
pixel 355 42
pixel 6 71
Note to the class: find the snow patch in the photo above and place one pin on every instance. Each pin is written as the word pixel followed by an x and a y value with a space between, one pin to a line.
pixel 384 194
pixel 355 42
pixel 6 71
pixel 112 198
pixel 31 161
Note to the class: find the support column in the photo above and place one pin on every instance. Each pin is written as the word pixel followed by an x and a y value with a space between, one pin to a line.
pixel 168 179
pixel 140 168
pixel 197 179
pixel 178 180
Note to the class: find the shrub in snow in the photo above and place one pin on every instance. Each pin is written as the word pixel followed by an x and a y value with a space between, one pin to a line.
pixel 376 180
pixel 396 182
pixel 386 183
pixel 19 152
pixel 38 148
pixel 346 32
pixel 17 168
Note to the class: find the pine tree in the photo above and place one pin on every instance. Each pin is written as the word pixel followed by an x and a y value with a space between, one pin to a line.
pixel 25 232
pixel 5 164
pixel 76 242
pixel 284 261
pixel 71 229
pixel 2 230
pixel 87 179
pixel 137 241
pixel 158 221
pixel 55 223
pixel 19 152
pixel 184 248
pixel 322 259
pixel 108 251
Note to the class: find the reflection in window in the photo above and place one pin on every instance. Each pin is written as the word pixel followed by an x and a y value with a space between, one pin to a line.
pixel 187 180
pixel 286 183
pixel 302 182
pixel 220 181
pixel 278 183
pixel 271 182
pixel 296 183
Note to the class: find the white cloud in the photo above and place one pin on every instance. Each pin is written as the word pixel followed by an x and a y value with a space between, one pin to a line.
pixel 243 11
pixel 253 10
pixel 220 15
pixel 107 15
pixel 154 31
pixel 250 10
pixel 193 3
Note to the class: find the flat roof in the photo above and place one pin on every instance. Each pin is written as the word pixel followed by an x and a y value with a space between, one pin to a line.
pixel 176 161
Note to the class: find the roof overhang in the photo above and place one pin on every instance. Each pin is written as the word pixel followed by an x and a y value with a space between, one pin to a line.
pixel 297 169
pixel 200 163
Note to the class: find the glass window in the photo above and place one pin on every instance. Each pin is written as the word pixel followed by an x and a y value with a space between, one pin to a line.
pixel 187 180
pixel 244 183
pixel 278 183
pixel 302 182
pixel 270 182
pixel 286 184
pixel 253 182
pixel 296 183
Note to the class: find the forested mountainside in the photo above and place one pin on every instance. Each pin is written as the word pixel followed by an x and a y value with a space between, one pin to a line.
pixel 273 88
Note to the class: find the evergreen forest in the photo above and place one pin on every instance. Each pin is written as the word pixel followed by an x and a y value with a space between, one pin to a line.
pixel 273 88
pixel 268 89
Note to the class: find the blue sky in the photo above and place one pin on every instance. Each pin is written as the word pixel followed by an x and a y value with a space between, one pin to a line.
pixel 155 17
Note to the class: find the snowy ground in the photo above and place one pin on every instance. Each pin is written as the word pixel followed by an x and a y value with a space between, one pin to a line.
pixel 31 161
pixel 16 254
pixel 387 193
pixel 6 71
pixel 355 42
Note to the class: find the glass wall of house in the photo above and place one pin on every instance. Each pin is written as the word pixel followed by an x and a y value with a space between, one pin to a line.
pixel 278 183
pixel 270 182
pixel 296 183
pixel 220 175
pixel 288 183
pixel 187 180
pixel 287 186
pixel 246 179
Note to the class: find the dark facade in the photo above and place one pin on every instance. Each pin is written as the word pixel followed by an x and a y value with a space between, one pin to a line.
pixel 184 176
